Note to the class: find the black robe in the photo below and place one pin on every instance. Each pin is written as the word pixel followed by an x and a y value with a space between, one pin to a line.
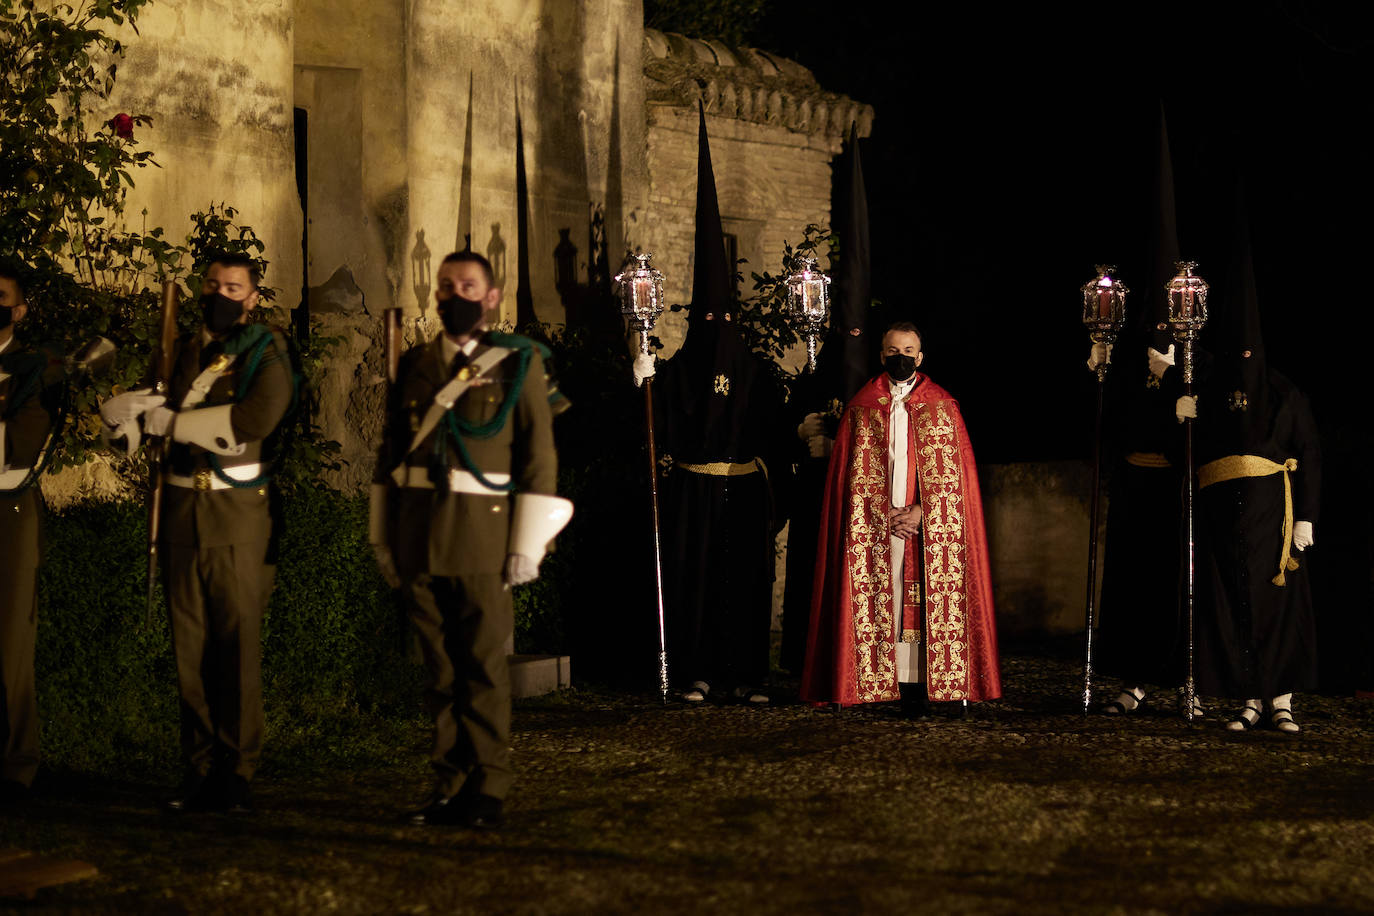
pixel 1141 637
pixel 1255 639
pixel 719 404
pixel 816 392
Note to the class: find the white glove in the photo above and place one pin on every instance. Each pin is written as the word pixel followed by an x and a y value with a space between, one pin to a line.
pixel 386 565
pixel 123 408
pixel 158 421
pixel 820 446
pixel 812 425
pixel 1160 362
pixel 520 569
pixel 1185 408
pixel 1302 535
pixel 1100 355
pixel 643 368
pixel 128 431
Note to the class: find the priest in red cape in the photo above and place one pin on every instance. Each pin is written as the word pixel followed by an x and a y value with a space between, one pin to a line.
pixel 903 591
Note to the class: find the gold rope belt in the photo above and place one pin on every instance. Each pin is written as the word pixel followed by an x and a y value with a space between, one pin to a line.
pixel 723 468
pixel 1233 467
pixel 1148 460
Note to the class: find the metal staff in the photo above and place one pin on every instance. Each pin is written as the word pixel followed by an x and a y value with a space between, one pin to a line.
pixel 157 447
pixel 641 301
pixel 1187 294
pixel 1104 311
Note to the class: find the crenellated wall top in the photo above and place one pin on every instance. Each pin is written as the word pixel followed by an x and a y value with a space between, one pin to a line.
pixel 747 84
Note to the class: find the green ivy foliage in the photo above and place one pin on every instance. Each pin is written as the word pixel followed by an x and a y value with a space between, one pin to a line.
pixel 338 684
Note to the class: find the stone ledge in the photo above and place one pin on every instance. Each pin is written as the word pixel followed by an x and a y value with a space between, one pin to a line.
pixel 536 675
pixel 747 84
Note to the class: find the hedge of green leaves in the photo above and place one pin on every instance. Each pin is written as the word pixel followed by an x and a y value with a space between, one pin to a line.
pixel 336 679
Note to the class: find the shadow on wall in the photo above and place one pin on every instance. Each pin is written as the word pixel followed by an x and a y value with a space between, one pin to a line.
pixel 420 271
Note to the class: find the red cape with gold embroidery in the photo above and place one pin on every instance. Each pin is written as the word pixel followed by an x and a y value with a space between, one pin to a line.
pixel 851 655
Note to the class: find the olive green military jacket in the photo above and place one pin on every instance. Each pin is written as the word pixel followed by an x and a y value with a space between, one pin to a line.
pixel 432 530
pixel 28 407
pixel 217 518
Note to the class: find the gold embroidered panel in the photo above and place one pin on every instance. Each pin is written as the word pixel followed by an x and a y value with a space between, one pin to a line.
pixel 869 564
pixel 940 477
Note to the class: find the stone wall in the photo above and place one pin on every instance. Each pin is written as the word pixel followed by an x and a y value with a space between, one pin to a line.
pixel 216 78
pixel 773 133
pixel 408 113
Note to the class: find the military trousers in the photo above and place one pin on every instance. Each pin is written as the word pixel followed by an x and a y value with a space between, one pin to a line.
pixel 21 518
pixel 217 596
pixel 462 624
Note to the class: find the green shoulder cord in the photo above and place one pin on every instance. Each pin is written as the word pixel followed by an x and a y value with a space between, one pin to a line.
pixel 458 428
pixel 259 336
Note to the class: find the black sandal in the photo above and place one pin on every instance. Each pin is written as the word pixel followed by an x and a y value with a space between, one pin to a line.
pixel 1242 722
pixel 1118 708
pixel 1283 716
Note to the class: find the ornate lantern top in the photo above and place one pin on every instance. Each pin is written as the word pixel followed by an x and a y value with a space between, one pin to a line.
pixel 808 304
pixel 641 294
pixel 1104 304
pixel 808 295
pixel 1187 294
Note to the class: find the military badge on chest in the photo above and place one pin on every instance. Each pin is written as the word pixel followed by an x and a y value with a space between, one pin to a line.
pixel 1238 401
pixel 721 385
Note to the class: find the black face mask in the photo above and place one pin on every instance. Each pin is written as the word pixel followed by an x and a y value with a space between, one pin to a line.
pixel 460 316
pixel 219 312
pixel 6 317
pixel 899 366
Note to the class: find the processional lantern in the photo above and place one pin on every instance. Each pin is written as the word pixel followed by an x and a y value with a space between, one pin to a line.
pixel 1104 308
pixel 1187 294
pixel 808 304
pixel 641 297
pixel 641 301
pixel 1104 311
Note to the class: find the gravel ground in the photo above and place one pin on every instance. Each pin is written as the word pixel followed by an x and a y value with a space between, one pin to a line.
pixel 623 805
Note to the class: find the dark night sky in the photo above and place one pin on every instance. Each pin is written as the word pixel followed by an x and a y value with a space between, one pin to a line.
pixel 1011 152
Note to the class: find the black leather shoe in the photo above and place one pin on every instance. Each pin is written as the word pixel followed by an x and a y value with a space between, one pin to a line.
pixel 14 792
pixel 238 799
pixel 207 795
pixel 483 813
pixel 914 703
pixel 438 809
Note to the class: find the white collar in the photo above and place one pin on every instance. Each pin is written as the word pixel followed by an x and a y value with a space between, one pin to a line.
pixel 450 349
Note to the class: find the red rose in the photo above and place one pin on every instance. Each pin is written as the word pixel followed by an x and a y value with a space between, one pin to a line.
pixel 122 125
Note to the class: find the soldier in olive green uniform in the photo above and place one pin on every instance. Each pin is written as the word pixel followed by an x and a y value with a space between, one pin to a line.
pixel 458 517
pixel 231 386
pixel 28 409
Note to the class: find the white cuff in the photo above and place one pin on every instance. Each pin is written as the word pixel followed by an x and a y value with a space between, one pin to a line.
pixel 537 520
pixel 210 428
